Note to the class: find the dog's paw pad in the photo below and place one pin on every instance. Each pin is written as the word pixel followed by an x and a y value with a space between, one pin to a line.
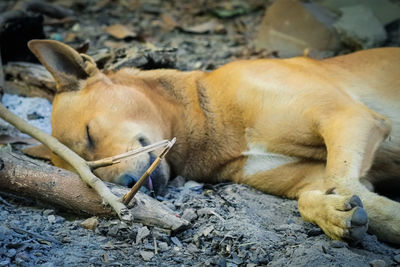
pixel 359 225
pixel 358 233
pixel 359 217
pixel 355 201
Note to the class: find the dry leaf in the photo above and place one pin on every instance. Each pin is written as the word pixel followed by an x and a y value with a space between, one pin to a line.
pixel 120 31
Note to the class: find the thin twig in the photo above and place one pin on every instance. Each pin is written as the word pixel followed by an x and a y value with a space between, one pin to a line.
pixel 133 153
pixel 12 155
pixel 128 196
pixel 38 236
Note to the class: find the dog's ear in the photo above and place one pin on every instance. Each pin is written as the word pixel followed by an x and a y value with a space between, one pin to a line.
pixel 66 65
pixel 38 151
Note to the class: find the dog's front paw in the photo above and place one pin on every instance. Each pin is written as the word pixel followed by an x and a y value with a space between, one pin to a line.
pixel 340 217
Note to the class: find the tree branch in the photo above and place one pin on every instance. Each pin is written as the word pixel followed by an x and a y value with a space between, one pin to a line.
pixel 24 176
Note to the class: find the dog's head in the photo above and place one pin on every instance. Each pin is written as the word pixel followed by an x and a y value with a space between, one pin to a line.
pixel 98 118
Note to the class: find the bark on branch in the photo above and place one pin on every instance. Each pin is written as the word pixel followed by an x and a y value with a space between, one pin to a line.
pixel 23 176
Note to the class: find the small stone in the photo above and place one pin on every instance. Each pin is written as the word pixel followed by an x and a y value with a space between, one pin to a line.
pixel 337 244
pixel 315 232
pixel 146 255
pixel 291 28
pixel 76 27
pixel 193 184
pixel 192 248
pixel 204 211
pixel 189 215
pixel 176 241
pixel 397 258
pixel 163 245
pixel 143 232
pixel 5 263
pixel 11 253
pixel 377 263
pixel 251 265
pixel 48 212
pixel 90 223
pixel 51 218
pixel 198 65
pixel 351 27
pixel 207 231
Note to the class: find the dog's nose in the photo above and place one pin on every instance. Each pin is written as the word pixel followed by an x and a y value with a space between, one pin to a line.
pixel 130 180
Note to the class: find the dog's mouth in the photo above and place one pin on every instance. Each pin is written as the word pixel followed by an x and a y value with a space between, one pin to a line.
pixel 155 184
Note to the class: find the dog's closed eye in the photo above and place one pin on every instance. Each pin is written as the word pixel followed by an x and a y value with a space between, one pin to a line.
pixel 143 141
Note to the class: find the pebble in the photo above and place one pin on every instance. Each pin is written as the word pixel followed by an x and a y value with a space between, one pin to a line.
pixel 163 245
pixel 51 218
pixel 207 231
pixel 189 215
pixel 48 212
pixel 143 232
pixel 176 241
pixel 192 248
pixel 4 263
pixel 314 232
pixel 377 263
pixel 90 223
pixel 193 185
pixel 397 258
pixel 11 253
pixel 146 255
pixel 337 244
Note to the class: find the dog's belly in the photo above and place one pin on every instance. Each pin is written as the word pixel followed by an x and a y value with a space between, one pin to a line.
pixel 259 159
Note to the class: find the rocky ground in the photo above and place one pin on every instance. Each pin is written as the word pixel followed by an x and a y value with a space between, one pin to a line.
pixel 232 225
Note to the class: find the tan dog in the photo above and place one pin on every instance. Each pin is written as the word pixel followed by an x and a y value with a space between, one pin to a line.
pixel 300 128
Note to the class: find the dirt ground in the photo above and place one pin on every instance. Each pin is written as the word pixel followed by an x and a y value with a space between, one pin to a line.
pixel 231 225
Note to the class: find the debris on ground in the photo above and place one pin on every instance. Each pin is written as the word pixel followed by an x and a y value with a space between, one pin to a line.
pixel 231 225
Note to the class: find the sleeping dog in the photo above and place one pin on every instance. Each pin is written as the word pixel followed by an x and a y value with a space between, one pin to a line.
pixel 325 132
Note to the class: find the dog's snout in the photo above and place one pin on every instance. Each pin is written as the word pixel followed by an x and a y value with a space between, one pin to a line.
pixel 128 179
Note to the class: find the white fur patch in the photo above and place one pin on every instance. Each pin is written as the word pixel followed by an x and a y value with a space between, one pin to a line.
pixel 260 160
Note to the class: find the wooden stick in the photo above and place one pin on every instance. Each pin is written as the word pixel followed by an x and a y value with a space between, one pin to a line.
pixel 128 197
pixel 72 158
pixel 27 177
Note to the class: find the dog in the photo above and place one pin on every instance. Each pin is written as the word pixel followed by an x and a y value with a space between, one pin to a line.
pixel 325 132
